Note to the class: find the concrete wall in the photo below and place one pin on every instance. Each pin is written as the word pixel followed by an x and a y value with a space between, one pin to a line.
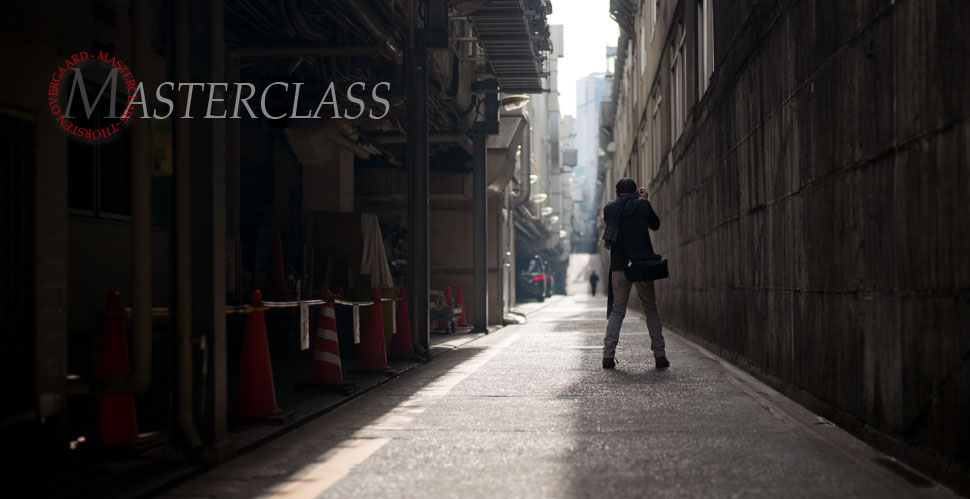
pixel 815 214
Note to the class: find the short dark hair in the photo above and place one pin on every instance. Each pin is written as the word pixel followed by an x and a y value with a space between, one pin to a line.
pixel 626 185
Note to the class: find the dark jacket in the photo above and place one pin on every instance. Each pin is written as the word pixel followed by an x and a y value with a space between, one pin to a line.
pixel 633 239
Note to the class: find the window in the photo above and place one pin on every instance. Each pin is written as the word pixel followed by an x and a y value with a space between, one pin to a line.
pixel 643 166
pixel 705 45
pixel 678 84
pixel 655 145
pixel 673 95
pixel 642 49
pixel 99 173
pixel 633 167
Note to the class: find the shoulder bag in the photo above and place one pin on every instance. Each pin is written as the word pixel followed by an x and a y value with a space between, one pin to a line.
pixel 650 269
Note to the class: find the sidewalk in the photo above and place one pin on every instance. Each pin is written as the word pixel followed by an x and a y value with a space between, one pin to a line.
pixel 529 412
pixel 159 466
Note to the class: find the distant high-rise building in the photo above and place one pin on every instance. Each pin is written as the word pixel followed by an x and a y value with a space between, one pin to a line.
pixel 591 90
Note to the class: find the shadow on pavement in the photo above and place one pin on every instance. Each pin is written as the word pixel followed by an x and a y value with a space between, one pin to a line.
pixel 278 460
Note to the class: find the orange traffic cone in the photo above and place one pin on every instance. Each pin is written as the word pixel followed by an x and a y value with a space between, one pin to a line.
pixel 373 351
pixel 325 369
pixel 401 343
pixel 117 424
pixel 255 394
pixel 275 280
pixel 460 306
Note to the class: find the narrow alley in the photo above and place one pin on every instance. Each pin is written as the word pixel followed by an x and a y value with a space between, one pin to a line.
pixel 527 411
pixel 367 248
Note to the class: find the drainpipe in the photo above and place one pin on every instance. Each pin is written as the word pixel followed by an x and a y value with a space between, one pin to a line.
pixel 480 231
pixel 506 258
pixel 141 253
pixel 526 191
pixel 215 48
pixel 183 239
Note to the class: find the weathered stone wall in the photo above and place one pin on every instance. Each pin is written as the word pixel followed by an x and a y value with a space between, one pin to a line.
pixel 817 215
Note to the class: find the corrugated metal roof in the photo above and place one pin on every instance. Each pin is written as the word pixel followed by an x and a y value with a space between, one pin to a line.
pixel 515 36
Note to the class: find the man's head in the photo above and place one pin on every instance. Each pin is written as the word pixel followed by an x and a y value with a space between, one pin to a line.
pixel 626 185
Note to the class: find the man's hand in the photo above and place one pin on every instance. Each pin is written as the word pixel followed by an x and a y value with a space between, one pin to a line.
pixel 642 192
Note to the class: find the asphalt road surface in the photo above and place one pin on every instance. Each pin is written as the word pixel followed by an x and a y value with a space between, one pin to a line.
pixel 528 411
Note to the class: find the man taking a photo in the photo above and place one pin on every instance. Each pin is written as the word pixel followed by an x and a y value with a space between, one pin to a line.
pixel 629 220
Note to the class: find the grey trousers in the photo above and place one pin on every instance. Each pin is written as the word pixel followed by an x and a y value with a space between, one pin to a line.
pixel 621 296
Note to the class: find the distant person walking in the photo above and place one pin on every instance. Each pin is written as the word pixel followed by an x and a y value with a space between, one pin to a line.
pixel 629 220
pixel 593 281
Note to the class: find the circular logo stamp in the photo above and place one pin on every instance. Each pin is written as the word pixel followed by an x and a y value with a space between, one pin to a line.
pixel 90 95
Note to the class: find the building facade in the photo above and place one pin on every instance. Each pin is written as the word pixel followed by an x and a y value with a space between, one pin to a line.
pixel 591 91
pixel 808 161
pixel 543 213
pixel 185 216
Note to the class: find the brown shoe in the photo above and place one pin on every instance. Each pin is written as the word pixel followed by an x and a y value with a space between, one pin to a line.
pixel 608 363
pixel 662 362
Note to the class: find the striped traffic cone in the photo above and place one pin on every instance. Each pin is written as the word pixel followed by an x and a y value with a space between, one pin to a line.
pixel 325 367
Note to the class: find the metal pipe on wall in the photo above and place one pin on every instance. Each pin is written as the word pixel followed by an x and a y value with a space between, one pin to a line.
pixel 505 258
pixel 141 229
pixel 480 231
pixel 183 239
pixel 217 263
pixel 233 230
pixel 526 191
pixel 371 22
pixel 300 51
pixel 365 15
